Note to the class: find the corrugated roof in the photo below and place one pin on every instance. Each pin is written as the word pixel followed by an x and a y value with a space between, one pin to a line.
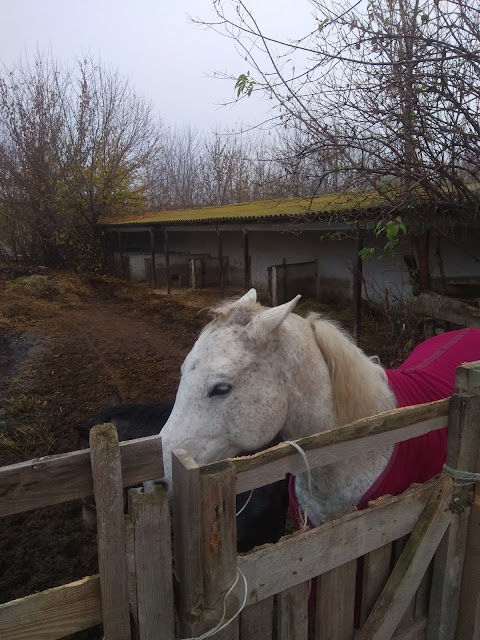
pixel 327 204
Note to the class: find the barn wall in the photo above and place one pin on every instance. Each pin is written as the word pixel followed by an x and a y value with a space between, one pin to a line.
pixel 383 275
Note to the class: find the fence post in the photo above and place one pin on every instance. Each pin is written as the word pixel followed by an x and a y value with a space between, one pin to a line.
pixel 468 623
pixel 205 545
pixel 219 548
pixel 150 516
pixel 112 559
pixel 463 454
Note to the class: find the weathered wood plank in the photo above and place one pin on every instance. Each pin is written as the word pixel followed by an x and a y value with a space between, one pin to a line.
pixel 449 309
pixel 336 603
pixel 468 624
pixel 410 568
pixel 376 569
pixel 112 559
pixel 340 443
pixel 292 613
pixel 256 621
pixel 150 516
pixel 187 535
pixel 462 453
pixel 54 613
pixel 219 549
pixel 305 555
pixel 131 570
pixel 55 479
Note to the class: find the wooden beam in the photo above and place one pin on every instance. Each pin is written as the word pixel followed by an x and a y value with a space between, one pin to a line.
pixel 340 443
pixel 246 261
pixel 442 308
pixel 55 479
pixel 412 564
pixel 167 260
pixel 305 555
pixel 112 558
pixel 154 265
pixel 54 613
pixel 220 264
pixel 357 286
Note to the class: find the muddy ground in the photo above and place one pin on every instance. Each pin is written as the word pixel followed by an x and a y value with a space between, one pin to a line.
pixel 66 343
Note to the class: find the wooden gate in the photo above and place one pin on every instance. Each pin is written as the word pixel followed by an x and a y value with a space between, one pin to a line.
pixel 407 567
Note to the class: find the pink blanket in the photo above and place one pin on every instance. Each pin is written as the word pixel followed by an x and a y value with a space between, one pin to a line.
pixel 428 374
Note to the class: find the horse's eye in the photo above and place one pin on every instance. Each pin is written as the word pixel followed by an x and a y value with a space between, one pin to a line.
pixel 220 389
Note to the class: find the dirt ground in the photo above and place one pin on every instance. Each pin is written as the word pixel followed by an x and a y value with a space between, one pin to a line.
pixel 66 343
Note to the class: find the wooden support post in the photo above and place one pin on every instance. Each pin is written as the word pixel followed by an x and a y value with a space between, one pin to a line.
pixel 463 453
pixel 187 534
pixel 112 560
pixel 461 548
pixel 219 549
pixel 167 259
pixel 246 261
pixel 292 613
pixel 154 265
pixel 357 286
pixel 150 516
pixel 220 264
pixel 412 564
pixel 284 282
pixel 334 618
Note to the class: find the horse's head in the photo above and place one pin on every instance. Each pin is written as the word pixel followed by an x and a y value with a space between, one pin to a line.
pixel 233 395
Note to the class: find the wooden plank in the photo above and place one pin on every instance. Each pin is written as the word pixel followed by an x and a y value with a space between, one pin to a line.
pixel 413 631
pixel 376 569
pixel 334 618
pixel 187 535
pixel 340 443
pixel 131 570
pixel 256 621
pixel 112 560
pixel 397 549
pixel 467 379
pixel 54 613
pixel 219 550
pixel 54 479
pixel 307 554
pixel 292 613
pixel 410 569
pixel 150 514
pixel 468 624
pixel 423 595
pixel 463 452
pixel 449 309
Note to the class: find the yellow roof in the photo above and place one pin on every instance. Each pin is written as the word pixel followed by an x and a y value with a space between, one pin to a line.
pixel 332 203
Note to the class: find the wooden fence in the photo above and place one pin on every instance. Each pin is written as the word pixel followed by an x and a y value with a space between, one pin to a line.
pixel 419 552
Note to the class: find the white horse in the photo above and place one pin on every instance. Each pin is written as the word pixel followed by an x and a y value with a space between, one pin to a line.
pixel 256 372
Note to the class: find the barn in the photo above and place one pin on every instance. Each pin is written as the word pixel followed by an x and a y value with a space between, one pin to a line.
pixel 283 247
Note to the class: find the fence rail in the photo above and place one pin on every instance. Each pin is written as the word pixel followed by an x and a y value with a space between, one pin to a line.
pixel 136 580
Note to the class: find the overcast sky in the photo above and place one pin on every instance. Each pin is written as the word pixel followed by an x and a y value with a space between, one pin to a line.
pixel 152 42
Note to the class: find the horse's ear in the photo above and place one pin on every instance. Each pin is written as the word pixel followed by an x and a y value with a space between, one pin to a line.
pixel 249 298
pixel 267 321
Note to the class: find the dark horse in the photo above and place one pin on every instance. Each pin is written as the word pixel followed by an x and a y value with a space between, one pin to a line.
pixel 263 518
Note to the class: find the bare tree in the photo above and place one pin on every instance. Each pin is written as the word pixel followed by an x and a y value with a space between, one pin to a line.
pixel 383 95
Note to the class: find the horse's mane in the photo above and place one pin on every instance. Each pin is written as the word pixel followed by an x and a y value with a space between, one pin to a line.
pixel 360 386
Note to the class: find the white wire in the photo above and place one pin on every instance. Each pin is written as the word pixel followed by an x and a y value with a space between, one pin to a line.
pixel 245 505
pixel 309 477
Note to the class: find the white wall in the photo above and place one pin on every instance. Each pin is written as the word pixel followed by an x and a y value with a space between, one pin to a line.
pixel 382 273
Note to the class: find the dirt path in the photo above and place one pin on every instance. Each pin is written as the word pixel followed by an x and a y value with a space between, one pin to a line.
pixel 67 342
